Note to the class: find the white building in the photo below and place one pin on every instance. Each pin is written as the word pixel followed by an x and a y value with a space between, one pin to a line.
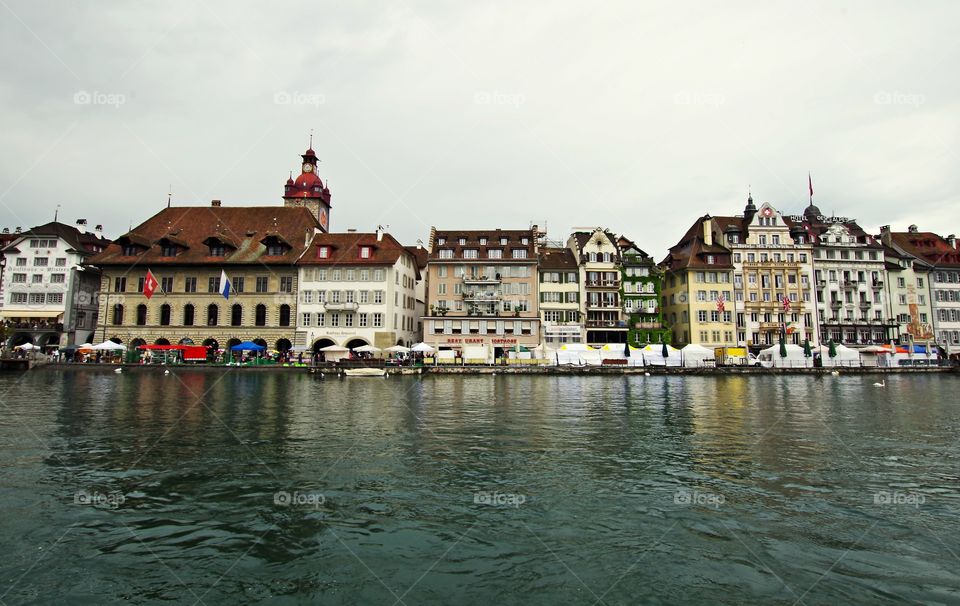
pixel 357 289
pixel 50 297
pixel 560 297
pixel 849 269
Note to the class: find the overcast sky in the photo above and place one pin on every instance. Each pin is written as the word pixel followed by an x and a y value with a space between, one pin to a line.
pixel 637 116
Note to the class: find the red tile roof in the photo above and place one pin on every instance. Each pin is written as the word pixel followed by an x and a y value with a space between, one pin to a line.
pixel 244 229
pixel 928 246
pixel 344 249
pixel 557 258
pixel 472 238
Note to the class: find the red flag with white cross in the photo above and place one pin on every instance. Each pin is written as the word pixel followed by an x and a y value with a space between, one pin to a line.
pixel 150 284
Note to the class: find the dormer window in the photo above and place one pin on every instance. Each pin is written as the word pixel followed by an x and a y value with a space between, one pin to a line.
pixel 441 241
pixel 470 253
pixel 446 253
pixel 131 250
pixel 483 241
pixel 276 246
pixel 525 241
pixel 168 250
pixel 366 252
pixel 217 250
pixel 461 241
pixel 503 241
pixel 323 252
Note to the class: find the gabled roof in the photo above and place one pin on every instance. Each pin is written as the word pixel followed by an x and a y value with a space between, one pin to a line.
pixel 582 238
pixel 472 239
pixel 242 228
pixel 420 254
pixel 84 243
pixel 692 250
pixel 344 249
pixel 557 258
pixel 927 246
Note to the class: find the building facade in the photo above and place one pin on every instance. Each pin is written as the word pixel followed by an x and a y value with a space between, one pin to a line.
pixel 50 293
pixel 600 270
pixel 357 289
pixel 848 279
pixel 906 286
pixel 560 297
pixel 482 291
pixel 641 288
pixel 697 290
pixel 942 258
pixel 186 249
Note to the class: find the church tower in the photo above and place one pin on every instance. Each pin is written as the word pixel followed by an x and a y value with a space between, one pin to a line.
pixel 308 190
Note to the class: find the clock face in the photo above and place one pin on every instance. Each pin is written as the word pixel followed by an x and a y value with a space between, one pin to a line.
pixel 307 168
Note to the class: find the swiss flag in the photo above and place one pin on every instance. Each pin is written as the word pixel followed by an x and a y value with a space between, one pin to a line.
pixel 150 284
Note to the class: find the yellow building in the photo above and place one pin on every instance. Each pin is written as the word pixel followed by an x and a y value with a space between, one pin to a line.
pixel 698 289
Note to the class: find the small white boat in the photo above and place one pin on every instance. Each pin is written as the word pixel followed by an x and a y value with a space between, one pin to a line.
pixel 364 372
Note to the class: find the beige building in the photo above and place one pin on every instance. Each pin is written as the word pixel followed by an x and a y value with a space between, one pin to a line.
pixel 560 297
pixel 698 288
pixel 482 291
pixel 186 249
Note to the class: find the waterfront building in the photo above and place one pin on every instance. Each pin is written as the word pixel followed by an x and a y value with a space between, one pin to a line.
pixel 906 289
pixel 187 250
pixel 641 287
pixel 560 297
pixel 357 289
pixel 6 237
pixel 942 257
pixel 50 294
pixel 697 287
pixel 482 290
pixel 848 279
pixel 598 255
pixel 420 255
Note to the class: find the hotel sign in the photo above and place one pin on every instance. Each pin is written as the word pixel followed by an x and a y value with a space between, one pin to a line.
pixel 822 219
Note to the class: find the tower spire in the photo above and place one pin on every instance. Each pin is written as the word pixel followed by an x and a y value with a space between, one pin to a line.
pixel 169 194
pixel 311 139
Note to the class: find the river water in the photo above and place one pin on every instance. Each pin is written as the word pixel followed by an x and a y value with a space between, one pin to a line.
pixel 245 487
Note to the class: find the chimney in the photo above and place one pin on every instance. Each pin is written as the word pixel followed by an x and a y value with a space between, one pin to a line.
pixel 215 203
pixel 379 233
pixel 98 228
pixel 17 230
pixel 6 230
pixel 81 224
pixel 952 240
pixel 884 229
pixel 351 230
pixel 707 233
pixel 913 229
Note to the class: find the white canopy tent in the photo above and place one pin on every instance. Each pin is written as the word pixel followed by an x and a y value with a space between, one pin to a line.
pixel 332 353
pixel 770 357
pixel 110 346
pixel 398 349
pixel 422 348
pixel 653 356
pixel 367 349
pixel 575 354
pixel 845 356
pixel 26 347
pixel 697 356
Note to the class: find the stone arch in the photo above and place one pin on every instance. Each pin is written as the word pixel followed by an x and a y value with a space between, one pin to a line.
pixel 321 343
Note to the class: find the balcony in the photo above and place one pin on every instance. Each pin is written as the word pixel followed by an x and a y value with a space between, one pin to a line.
pixel 615 324
pixel 864 304
pixel 603 305
pixel 352 306
pixel 647 325
pixel 481 297
pixel 482 280
pixel 836 304
pixel 603 284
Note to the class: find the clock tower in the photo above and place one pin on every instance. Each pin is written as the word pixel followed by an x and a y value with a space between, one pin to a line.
pixel 308 190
